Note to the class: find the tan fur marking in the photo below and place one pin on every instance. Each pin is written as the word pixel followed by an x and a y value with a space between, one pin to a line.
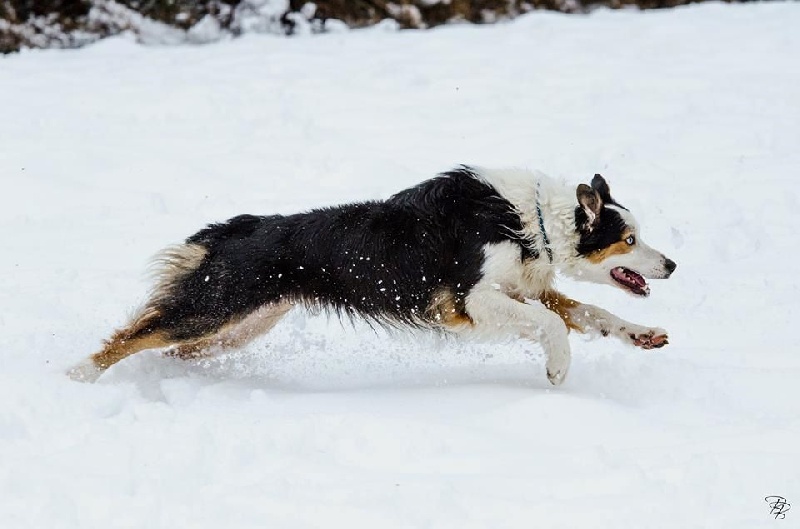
pixel 119 347
pixel 560 304
pixel 618 248
pixel 130 340
pixel 444 310
pixel 234 334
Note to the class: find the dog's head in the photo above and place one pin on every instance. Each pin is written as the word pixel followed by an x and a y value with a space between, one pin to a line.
pixel 610 249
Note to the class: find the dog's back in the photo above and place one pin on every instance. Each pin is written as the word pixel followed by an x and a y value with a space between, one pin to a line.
pixel 382 260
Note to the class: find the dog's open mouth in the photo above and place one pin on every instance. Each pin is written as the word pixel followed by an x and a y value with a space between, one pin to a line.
pixel 630 280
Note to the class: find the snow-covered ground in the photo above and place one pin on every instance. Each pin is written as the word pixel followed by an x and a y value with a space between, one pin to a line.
pixel 111 152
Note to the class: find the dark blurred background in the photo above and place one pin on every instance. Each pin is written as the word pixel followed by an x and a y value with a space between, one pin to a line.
pixel 73 23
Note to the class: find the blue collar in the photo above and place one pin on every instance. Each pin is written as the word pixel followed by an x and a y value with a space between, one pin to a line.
pixel 545 238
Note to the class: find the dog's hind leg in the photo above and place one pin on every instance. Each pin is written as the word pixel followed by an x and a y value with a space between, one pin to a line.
pixel 147 331
pixel 143 333
pixel 233 335
pixel 187 311
pixel 493 312
pixel 587 319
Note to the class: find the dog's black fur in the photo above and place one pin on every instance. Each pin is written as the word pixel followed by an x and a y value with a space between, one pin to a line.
pixel 382 260
pixel 607 229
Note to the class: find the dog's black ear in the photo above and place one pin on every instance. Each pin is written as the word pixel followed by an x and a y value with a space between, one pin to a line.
pixel 600 185
pixel 591 202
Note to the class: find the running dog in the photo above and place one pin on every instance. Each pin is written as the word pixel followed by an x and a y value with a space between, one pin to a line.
pixel 471 251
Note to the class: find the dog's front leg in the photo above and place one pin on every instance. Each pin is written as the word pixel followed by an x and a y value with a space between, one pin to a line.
pixel 494 313
pixel 587 318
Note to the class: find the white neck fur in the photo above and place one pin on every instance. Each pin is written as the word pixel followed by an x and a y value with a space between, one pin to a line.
pixel 557 202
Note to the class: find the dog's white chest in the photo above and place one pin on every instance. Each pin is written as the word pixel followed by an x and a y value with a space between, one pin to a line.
pixel 504 269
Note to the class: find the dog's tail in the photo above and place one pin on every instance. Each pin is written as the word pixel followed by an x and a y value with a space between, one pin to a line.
pixel 169 267
pixel 236 228
pixel 174 264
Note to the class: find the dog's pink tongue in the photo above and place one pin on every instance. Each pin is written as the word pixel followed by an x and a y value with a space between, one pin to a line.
pixel 629 276
pixel 636 278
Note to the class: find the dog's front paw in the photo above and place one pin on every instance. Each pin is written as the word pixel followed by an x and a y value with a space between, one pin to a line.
pixel 557 365
pixel 557 377
pixel 650 339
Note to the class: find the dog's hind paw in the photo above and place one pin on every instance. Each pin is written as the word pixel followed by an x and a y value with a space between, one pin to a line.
pixel 652 339
pixel 86 371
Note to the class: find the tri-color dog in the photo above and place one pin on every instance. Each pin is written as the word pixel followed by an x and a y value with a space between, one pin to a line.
pixel 472 251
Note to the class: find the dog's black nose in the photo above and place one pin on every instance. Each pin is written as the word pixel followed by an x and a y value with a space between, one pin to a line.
pixel 670 265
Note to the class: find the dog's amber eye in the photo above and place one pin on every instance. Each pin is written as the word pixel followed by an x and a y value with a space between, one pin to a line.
pixel 631 240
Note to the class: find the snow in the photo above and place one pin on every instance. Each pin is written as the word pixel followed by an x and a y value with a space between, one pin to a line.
pixel 111 152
